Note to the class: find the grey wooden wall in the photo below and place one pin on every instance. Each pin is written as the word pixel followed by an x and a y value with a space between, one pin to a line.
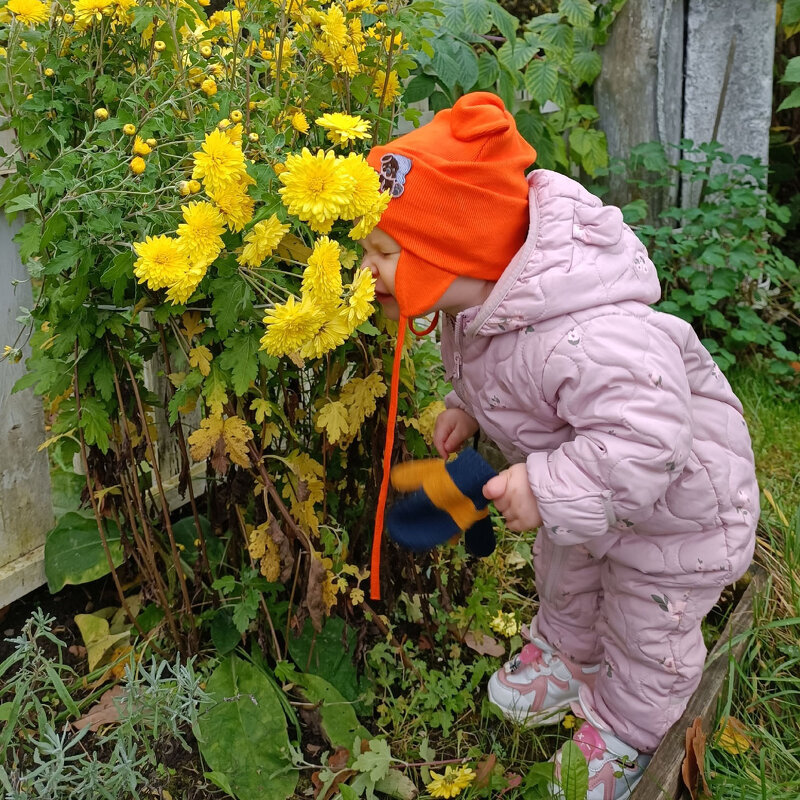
pixel 695 69
pixel 26 512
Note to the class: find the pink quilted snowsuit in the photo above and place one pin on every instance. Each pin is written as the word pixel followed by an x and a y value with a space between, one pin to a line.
pixel 635 445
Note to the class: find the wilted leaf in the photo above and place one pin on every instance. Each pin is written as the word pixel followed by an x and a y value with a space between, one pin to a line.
pixel 317 608
pixel 397 785
pixel 192 326
pixel 483 771
pixel 100 643
pixel 104 712
pixel 284 550
pixel 732 736
pixel 693 763
pixel 483 644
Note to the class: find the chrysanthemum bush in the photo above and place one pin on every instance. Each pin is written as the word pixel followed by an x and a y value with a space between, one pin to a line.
pixel 191 187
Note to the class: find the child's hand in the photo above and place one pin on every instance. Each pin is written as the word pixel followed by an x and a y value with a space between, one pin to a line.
pixel 453 426
pixel 514 499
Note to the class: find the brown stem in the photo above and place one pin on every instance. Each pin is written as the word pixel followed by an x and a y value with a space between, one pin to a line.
pixel 186 463
pixel 176 559
pixel 93 500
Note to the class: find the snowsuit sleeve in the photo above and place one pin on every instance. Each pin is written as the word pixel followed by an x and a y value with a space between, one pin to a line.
pixel 621 385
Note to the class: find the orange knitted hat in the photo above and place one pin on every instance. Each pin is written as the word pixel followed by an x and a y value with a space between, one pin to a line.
pixel 459 198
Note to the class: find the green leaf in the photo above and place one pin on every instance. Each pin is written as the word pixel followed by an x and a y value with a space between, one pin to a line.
pixel 541 78
pixel 376 761
pixel 586 65
pixel 23 202
pixel 792 73
pixel 578 12
pixel 574 772
pixel 791 13
pixel 119 275
pixel 488 71
pixel 447 68
pixel 28 239
pixel 243 735
pixel 467 63
pixel 477 15
pixel 792 101
pixel 94 420
pixel 232 302
pixel 240 359
pixel 419 88
pixel 339 722
pixel 68 254
pixel 73 551
pixel 504 21
pixel 224 634
pixel 591 145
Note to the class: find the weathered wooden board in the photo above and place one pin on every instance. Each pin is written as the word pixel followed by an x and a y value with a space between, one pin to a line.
pixel 25 509
pixel 662 778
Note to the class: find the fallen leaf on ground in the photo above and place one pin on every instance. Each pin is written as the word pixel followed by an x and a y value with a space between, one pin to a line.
pixel 483 771
pixel 732 736
pixel 693 763
pixel 483 644
pixel 104 712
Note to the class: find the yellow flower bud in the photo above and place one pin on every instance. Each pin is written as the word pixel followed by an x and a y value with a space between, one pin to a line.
pixel 224 123
pixel 183 188
pixel 253 137
pixel 159 46
pixel 278 167
pixel 204 3
pixel 194 186
pixel 101 114
pixel 252 105
pixel 69 19
pixel 49 73
pixel 209 86
pixel 206 51
pixel 151 142
pixel 128 129
pixel 236 116
pixel 141 148
pixel 29 97
pixel 138 165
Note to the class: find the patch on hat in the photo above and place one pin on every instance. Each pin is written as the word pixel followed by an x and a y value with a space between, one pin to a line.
pixel 394 169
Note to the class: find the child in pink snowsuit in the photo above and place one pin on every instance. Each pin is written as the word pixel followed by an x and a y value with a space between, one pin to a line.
pixel 628 448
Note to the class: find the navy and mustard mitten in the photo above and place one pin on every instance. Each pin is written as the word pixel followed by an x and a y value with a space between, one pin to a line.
pixel 446 500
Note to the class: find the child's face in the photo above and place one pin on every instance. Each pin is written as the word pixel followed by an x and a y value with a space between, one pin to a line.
pixel 381 254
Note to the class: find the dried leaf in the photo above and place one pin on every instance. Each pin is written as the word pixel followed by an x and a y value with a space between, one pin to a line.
pixel 284 550
pixel 483 644
pixel 104 712
pixel 693 763
pixel 338 758
pixel 317 575
pixel 483 771
pixel 219 461
pixel 732 736
pixel 192 326
pixel 100 643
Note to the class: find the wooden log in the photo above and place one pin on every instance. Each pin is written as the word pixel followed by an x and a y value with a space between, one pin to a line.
pixel 662 778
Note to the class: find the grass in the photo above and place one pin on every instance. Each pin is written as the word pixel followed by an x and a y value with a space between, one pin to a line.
pixel 764 690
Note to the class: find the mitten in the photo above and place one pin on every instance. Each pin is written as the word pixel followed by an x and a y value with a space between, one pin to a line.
pixel 446 499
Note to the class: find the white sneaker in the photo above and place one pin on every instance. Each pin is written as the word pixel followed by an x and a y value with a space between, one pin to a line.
pixel 537 685
pixel 614 767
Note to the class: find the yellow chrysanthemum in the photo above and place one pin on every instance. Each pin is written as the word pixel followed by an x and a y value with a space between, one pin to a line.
pixel 121 10
pixel 161 261
pixel 219 162
pixel 359 303
pixel 183 288
pixel 392 85
pixel 28 12
pixel 200 234
pixel 366 186
pixel 290 326
pixel 300 122
pixel 88 11
pixel 348 63
pixel 334 30
pixel 316 189
pixel 322 278
pixel 370 218
pixel 333 332
pixel 344 128
pixel 234 134
pixel 228 19
pixel 235 204
pixel 504 623
pixel 452 783
pixel 140 147
pixel 262 240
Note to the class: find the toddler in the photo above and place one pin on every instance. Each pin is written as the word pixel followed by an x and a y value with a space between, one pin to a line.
pixel 628 448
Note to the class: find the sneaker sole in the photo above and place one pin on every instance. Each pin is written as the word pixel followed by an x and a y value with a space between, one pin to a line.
pixel 531 719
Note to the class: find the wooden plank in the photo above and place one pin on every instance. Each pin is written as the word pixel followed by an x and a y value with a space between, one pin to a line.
pixel 662 778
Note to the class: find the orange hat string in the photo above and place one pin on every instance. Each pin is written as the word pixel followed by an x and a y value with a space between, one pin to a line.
pixel 391 420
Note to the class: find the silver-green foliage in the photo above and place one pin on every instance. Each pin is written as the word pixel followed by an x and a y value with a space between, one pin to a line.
pixel 42 756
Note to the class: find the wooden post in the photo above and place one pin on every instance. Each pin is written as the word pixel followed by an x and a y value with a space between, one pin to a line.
pixel 699 70
pixel 26 512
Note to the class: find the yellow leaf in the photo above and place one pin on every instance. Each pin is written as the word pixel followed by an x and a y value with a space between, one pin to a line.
pixel 204 439
pixel 292 248
pixel 262 409
pixel 177 379
pixel 269 432
pixel 215 393
pixel 53 439
pixel 776 508
pixel 99 642
pixel 732 736
pixel 192 326
pixel 237 434
pixel 333 419
pixel 200 357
